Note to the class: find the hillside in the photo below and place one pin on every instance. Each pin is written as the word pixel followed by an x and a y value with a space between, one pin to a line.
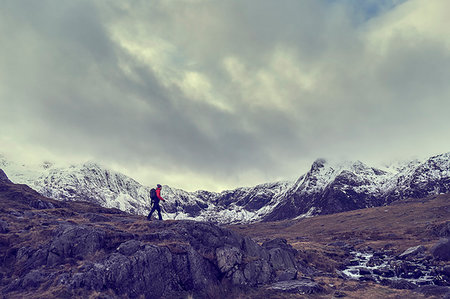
pixel 335 243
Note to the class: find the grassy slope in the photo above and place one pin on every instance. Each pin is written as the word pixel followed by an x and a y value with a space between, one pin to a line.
pixel 395 227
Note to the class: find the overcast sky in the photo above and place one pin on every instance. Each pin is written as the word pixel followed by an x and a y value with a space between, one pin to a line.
pixel 213 95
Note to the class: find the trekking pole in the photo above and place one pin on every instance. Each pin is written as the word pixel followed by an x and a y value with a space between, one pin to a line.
pixel 163 210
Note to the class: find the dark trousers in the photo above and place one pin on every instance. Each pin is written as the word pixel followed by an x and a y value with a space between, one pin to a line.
pixel 155 207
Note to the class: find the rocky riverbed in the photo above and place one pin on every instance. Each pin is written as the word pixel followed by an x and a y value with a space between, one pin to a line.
pixel 411 269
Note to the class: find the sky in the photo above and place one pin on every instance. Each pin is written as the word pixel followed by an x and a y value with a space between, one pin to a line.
pixel 214 95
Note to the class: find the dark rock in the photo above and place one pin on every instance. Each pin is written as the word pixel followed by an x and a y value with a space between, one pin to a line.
pixel 281 259
pixel 367 277
pixel 254 250
pixel 148 272
pixel 197 256
pixel 433 290
pixel 94 217
pixel 28 258
pixel 258 272
pixel 303 286
pixel 401 284
pixel 385 272
pixel 339 294
pixel 416 273
pixel 352 263
pixel 289 274
pixel 4 177
pixel 338 244
pixel 446 271
pixel 340 274
pixel 441 281
pixel 228 257
pixel 129 247
pixel 4 227
pixel 33 279
pixel 153 271
pixel 364 271
pixel 279 243
pixel 441 250
pixel 74 241
pixel 282 254
pixel 443 230
pixel 412 251
pixel 374 261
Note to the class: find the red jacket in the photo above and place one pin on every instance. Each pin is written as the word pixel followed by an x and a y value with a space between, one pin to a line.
pixel 158 194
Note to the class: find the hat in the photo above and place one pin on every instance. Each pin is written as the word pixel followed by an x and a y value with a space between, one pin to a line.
pixel 158 186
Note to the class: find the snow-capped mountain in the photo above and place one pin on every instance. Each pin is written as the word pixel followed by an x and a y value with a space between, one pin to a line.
pixel 336 187
pixel 94 183
pixel 326 188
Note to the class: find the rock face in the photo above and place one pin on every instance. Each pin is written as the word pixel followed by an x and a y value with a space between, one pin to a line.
pixel 200 255
pixel 195 256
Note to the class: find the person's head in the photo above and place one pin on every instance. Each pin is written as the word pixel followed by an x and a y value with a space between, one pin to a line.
pixel 158 186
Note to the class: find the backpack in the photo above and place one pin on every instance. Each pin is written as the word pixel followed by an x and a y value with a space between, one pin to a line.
pixel 153 196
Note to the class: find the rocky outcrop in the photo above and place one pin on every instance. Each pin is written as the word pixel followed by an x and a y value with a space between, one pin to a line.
pixel 441 250
pixel 176 257
pixel 66 249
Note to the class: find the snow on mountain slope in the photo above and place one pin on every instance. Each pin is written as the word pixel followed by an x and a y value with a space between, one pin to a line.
pixel 327 188
pixel 94 183
pixel 86 182
pixel 336 187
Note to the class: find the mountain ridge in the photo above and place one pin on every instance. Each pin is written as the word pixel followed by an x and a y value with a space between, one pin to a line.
pixel 326 188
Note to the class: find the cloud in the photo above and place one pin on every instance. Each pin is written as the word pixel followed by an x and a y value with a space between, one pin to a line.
pixel 219 94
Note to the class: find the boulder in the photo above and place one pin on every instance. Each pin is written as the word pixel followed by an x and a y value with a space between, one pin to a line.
pixel 288 274
pixel 441 250
pixel 33 279
pixel 4 227
pixel 412 251
pixel 339 294
pixel 384 272
pixel 304 286
pixel 129 247
pixel 401 284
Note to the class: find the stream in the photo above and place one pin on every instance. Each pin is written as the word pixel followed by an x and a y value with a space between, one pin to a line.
pixel 382 268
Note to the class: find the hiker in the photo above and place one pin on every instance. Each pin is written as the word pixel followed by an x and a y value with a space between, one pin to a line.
pixel 155 196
